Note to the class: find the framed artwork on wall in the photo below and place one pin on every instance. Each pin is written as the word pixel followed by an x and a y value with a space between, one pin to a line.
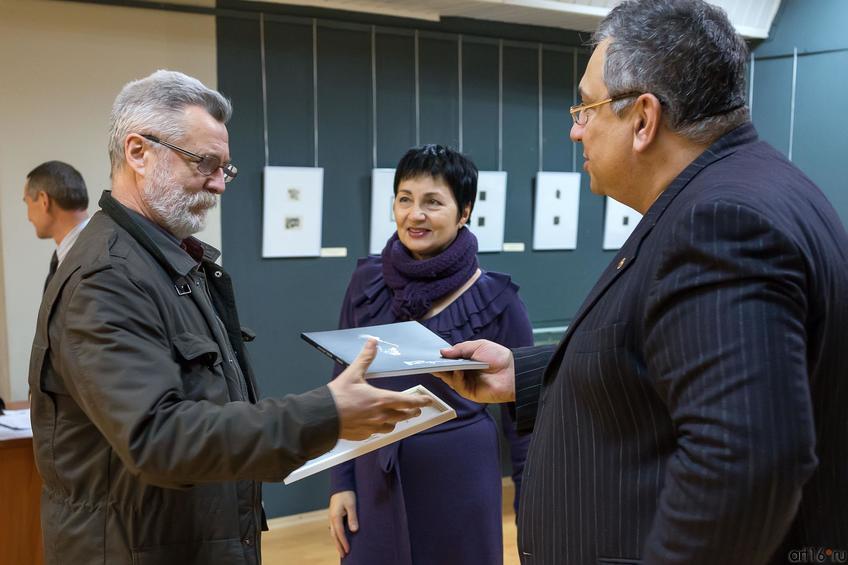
pixel 292 210
pixel 488 218
pixel 557 207
pixel 620 221
pixel 382 214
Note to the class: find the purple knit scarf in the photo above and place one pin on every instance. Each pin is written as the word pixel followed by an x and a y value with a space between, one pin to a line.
pixel 416 284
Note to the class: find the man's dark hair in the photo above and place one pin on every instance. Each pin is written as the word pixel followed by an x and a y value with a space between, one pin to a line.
pixel 439 162
pixel 686 53
pixel 61 182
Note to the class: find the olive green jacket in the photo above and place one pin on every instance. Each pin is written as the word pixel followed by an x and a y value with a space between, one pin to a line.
pixel 147 427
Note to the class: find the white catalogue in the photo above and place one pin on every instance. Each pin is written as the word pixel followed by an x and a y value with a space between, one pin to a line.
pixel 431 415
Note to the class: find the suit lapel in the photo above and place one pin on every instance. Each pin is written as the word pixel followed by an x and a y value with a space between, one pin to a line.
pixel 622 261
pixel 627 255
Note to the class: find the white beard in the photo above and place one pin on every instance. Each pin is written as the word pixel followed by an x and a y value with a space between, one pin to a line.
pixel 180 212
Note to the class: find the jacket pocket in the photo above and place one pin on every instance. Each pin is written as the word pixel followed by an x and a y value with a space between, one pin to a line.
pixel 192 348
pixel 201 368
pixel 220 552
pixel 617 561
pixel 36 365
pixel 599 339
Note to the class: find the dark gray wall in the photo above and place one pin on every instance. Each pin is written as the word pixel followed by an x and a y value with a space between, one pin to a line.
pixel 817 129
pixel 281 297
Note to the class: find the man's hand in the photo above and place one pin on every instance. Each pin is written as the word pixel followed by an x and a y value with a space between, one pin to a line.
pixel 492 385
pixel 365 410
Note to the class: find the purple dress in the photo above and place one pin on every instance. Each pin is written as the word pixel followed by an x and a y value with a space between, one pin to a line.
pixel 433 498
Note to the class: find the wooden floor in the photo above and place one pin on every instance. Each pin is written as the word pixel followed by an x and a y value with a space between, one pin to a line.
pixel 304 539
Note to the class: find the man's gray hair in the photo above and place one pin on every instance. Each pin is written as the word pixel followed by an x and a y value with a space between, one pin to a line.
pixel 154 105
pixel 686 53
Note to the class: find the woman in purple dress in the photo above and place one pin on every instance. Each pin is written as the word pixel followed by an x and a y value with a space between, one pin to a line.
pixel 433 498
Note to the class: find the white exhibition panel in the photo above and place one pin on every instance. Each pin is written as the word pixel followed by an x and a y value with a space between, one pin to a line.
pixel 619 223
pixel 488 218
pixel 557 208
pixel 291 215
pixel 382 212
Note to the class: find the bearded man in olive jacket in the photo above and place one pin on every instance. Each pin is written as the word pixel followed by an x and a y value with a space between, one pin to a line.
pixel 149 433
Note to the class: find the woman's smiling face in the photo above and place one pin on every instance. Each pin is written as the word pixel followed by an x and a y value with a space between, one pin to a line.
pixel 427 215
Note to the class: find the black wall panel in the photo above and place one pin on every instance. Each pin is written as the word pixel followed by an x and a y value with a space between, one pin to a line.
pixel 480 71
pixel 439 90
pixel 395 77
pixel 521 137
pixel 289 81
pixel 362 65
pixel 345 136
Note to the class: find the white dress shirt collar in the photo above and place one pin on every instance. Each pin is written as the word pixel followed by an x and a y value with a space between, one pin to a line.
pixel 69 240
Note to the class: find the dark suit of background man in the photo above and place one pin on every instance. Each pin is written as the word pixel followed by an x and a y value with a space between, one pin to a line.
pixel 149 432
pixel 57 204
pixel 695 411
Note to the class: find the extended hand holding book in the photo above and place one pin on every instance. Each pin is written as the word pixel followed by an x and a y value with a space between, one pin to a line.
pixel 364 409
pixel 404 348
pixel 493 384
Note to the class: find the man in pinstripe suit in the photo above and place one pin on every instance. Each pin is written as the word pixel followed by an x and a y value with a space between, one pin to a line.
pixel 695 410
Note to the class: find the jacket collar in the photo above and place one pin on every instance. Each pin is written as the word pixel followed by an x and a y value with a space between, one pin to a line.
pixel 724 146
pixel 166 248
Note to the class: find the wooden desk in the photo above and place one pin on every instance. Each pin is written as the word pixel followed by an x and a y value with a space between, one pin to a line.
pixel 20 502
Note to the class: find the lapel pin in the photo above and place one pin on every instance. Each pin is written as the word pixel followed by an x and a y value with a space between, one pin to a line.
pixel 621 263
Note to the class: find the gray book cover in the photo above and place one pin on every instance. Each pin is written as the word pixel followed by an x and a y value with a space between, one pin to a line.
pixel 404 348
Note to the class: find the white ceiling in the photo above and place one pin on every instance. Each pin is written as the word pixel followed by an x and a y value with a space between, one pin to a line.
pixel 752 18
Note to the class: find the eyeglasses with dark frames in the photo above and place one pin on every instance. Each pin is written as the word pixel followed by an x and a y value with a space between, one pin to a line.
pixel 206 164
pixel 581 116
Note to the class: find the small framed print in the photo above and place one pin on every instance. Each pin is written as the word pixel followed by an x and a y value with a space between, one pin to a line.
pixel 556 211
pixel 620 221
pixel 382 201
pixel 292 210
pixel 489 216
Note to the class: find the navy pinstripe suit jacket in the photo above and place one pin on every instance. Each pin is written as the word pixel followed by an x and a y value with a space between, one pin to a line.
pixel 695 411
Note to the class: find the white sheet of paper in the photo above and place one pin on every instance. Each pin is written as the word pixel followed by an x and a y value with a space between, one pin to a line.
pixel 382 218
pixel 489 215
pixel 291 215
pixel 15 424
pixel 345 450
pixel 557 210
pixel 619 223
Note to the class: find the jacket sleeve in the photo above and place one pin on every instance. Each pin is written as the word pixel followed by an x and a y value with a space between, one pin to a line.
pixel 724 333
pixel 530 363
pixel 117 364
pixel 515 331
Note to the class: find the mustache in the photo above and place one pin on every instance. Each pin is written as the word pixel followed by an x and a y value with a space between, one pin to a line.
pixel 202 201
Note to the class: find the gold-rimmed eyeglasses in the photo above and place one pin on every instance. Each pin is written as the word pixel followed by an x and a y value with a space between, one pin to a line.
pixel 580 114
pixel 206 164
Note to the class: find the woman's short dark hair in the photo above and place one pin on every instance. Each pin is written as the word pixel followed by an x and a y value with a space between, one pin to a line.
pixel 440 162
